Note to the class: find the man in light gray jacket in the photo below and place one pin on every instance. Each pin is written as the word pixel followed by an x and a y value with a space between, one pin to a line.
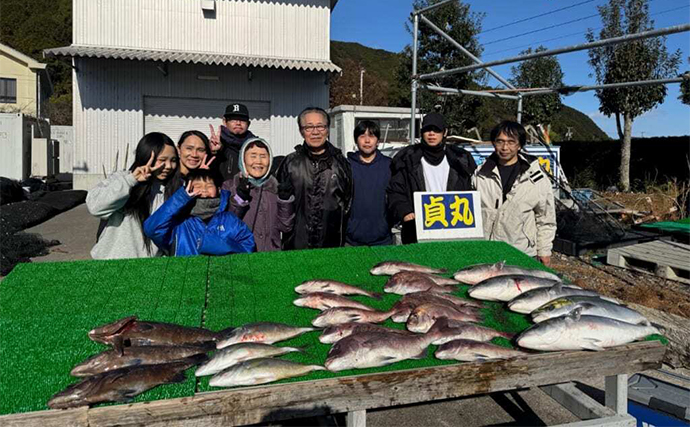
pixel 517 199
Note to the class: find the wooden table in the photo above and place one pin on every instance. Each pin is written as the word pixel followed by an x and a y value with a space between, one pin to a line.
pixel 354 395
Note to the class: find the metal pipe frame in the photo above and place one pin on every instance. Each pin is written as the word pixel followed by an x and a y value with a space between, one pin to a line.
pixel 469 92
pixel 432 7
pixel 413 115
pixel 569 90
pixel 584 46
pixel 462 49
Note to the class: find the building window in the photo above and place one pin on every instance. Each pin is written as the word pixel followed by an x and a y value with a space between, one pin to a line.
pixel 8 91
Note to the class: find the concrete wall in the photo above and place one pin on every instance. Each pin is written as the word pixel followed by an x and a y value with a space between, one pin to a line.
pixel 296 29
pixel 26 85
pixel 65 137
pixel 109 99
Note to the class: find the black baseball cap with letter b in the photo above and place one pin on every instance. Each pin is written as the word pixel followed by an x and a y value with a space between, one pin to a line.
pixel 236 111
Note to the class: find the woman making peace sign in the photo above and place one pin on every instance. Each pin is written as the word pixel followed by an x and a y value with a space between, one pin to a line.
pixel 127 198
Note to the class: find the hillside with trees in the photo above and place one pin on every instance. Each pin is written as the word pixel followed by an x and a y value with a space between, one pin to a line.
pixel 380 88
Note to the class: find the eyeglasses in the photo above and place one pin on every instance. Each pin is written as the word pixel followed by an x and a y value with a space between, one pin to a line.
pixel 310 128
pixel 508 142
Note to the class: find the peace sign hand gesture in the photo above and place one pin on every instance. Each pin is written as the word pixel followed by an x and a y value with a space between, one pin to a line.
pixel 144 173
pixel 215 139
pixel 206 165
pixel 191 192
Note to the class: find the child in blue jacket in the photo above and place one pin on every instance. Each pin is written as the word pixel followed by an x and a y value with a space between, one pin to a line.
pixel 195 221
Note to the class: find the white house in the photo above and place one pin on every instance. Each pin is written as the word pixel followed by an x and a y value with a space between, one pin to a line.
pixel 173 65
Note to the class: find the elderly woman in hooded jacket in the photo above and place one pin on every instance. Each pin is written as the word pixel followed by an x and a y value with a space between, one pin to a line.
pixel 265 206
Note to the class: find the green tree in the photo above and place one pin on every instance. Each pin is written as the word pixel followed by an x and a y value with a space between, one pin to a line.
pixel 685 88
pixel 539 73
pixel 436 53
pixel 30 26
pixel 639 60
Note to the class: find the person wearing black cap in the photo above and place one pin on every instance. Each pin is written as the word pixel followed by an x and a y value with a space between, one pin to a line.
pixel 227 142
pixel 431 165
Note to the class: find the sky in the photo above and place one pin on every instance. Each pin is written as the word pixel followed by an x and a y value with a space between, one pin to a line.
pixel 380 24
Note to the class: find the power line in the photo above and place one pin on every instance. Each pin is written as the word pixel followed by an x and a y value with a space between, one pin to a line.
pixel 536 16
pixel 542 29
pixel 571 34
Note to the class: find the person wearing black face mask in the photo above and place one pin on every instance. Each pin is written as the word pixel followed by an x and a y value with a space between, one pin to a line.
pixel 431 165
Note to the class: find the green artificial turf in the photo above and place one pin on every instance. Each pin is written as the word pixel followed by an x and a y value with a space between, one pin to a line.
pixel 47 309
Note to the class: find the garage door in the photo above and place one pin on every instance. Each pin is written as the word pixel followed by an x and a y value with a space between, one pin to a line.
pixel 174 116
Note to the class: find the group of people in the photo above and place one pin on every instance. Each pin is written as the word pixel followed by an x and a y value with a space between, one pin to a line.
pixel 226 194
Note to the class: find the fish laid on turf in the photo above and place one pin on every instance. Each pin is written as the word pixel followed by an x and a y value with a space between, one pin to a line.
pixel 335 333
pixel 591 306
pixel 263 332
pixel 407 282
pixel 466 350
pixel 373 349
pixel 111 360
pixel 505 288
pixel 440 280
pixel 456 330
pixel 121 385
pixel 409 302
pixel 333 287
pixel 531 300
pixel 389 268
pixel 423 317
pixel 130 331
pixel 339 315
pixel 237 353
pixel 323 301
pixel 261 371
pixel 582 332
pixel 474 274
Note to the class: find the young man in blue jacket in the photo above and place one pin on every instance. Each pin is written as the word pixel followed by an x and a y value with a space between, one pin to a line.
pixel 195 221
pixel 368 224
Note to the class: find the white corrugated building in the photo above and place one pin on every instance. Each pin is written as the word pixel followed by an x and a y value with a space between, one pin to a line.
pixel 173 65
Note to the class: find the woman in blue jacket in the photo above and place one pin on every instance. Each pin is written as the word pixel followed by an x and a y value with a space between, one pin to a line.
pixel 195 221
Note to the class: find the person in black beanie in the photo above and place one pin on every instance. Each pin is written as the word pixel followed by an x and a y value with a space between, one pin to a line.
pixel 228 140
pixel 431 165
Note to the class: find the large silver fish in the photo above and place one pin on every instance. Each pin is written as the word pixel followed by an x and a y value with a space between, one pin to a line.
pixel 323 301
pixel 333 287
pixel 338 315
pixel 264 332
pixel 111 360
pixel 391 267
pixel 373 349
pixel 261 371
pixel 577 332
pixel 237 353
pixel 531 300
pixel 466 350
pixel 474 274
pixel 591 306
pixel 440 280
pixel 121 385
pixel 407 282
pixel 423 317
pixel 505 288
pixel 409 302
pixel 335 333
pixel 456 330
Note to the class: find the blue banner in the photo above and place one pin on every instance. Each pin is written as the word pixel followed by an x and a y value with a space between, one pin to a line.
pixel 448 211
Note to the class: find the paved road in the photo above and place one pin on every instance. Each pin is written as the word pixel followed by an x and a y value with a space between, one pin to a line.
pixel 75 229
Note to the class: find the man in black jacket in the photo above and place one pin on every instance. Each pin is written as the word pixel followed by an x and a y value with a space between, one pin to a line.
pixel 227 142
pixel 431 165
pixel 321 180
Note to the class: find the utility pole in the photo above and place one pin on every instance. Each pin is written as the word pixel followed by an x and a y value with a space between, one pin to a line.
pixel 361 86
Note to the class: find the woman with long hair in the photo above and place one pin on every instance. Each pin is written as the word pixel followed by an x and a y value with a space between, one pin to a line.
pixel 127 198
pixel 193 150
